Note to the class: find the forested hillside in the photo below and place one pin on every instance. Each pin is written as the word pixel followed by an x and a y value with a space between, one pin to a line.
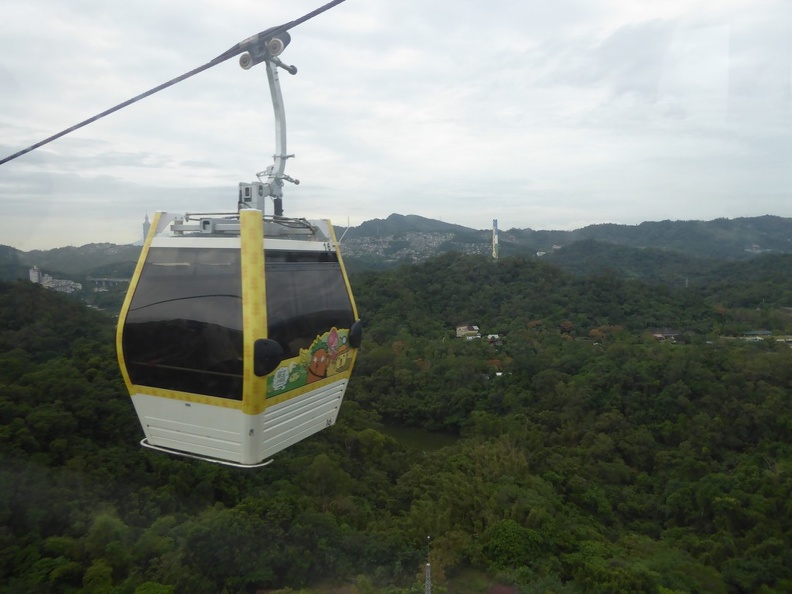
pixel 431 298
pixel 585 455
pixel 764 279
pixel 11 266
pixel 97 259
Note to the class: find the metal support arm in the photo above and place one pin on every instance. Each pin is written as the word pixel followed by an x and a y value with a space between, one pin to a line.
pixel 267 50
pixel 275 171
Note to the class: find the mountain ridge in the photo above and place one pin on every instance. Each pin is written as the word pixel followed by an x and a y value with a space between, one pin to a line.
pixel 400 239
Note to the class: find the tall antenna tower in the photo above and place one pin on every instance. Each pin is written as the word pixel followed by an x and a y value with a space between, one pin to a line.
pixel 495 239
pixel 428 574
pixel 146 227
pixel 428 586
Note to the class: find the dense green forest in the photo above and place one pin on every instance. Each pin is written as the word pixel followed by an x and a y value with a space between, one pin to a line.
pixel 583 454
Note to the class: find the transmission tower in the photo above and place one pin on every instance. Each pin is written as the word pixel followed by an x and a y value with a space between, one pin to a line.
pixel 428 575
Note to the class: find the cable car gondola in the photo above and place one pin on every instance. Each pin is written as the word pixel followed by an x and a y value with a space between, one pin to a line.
pixel 235 344
pixel 239 331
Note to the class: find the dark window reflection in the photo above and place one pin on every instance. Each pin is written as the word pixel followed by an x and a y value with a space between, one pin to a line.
pixel 306 297
pixel 184 326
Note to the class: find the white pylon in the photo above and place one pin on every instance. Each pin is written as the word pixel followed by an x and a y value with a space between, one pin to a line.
pixel 428 578
pixel 428 588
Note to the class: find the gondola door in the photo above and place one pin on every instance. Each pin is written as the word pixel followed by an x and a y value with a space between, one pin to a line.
pixel 181 341
pixel 304 350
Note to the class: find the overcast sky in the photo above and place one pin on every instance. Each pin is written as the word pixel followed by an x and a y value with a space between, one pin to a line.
pixel 542 115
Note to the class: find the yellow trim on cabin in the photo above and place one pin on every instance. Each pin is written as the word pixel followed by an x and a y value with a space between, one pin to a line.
pixel 349 290
pixel 128 298
pixel 254 310
pixel 343 268
pixel 187 396
pixel 236 404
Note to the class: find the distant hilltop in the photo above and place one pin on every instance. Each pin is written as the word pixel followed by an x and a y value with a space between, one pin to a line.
pixel 397 223
pixel 73 263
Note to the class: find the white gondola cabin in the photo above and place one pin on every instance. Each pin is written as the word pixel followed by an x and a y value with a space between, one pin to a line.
pixel 236 343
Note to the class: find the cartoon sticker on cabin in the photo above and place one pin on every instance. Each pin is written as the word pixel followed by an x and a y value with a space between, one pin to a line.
pixel 328 355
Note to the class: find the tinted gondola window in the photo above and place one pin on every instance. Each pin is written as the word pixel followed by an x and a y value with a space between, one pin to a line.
pixel 183 330
pixel 306 296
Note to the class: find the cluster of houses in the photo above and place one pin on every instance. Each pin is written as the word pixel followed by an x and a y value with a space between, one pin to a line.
pixel 56 284
pixel 471 332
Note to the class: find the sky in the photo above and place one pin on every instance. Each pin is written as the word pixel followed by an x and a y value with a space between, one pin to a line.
pixel 541 115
